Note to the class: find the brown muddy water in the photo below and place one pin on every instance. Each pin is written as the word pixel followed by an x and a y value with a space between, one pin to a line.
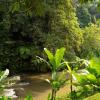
pixel 36 86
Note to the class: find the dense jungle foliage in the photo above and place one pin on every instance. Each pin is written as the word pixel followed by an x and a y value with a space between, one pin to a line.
pixel 27 26
pixel 57 36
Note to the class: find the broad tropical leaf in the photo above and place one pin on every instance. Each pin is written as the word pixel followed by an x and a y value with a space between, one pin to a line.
pixel 59 56
pixel 50 57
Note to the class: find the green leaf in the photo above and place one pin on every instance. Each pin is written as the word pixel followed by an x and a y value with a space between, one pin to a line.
pixel 15 7
pixel 69 68
pixel 91 77
pixel 56 85
pixel 59 56
pixel 95 65
pixel 50 57
pixel 29 97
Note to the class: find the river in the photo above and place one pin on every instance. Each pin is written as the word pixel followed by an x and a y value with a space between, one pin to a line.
pixel 36 86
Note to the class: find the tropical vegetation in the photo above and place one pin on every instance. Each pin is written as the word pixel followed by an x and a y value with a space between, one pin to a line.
pixel 60 37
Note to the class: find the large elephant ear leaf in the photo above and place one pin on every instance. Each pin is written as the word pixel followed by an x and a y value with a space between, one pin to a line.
pixel 59 56
pixel 50 57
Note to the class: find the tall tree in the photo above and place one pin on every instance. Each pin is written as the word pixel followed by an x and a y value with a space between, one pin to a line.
pixel 63 23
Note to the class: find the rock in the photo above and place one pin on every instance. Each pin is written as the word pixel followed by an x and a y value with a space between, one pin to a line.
pixel 23 83
pixel 9 93
pixel 14 96
pixel 19 89
pixel 12 80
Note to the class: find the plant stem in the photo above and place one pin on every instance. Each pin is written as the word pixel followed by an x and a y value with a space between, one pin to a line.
pixel 53 97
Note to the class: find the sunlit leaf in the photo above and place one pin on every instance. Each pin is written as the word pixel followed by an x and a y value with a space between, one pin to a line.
pixel 50 57
pixel 59 56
